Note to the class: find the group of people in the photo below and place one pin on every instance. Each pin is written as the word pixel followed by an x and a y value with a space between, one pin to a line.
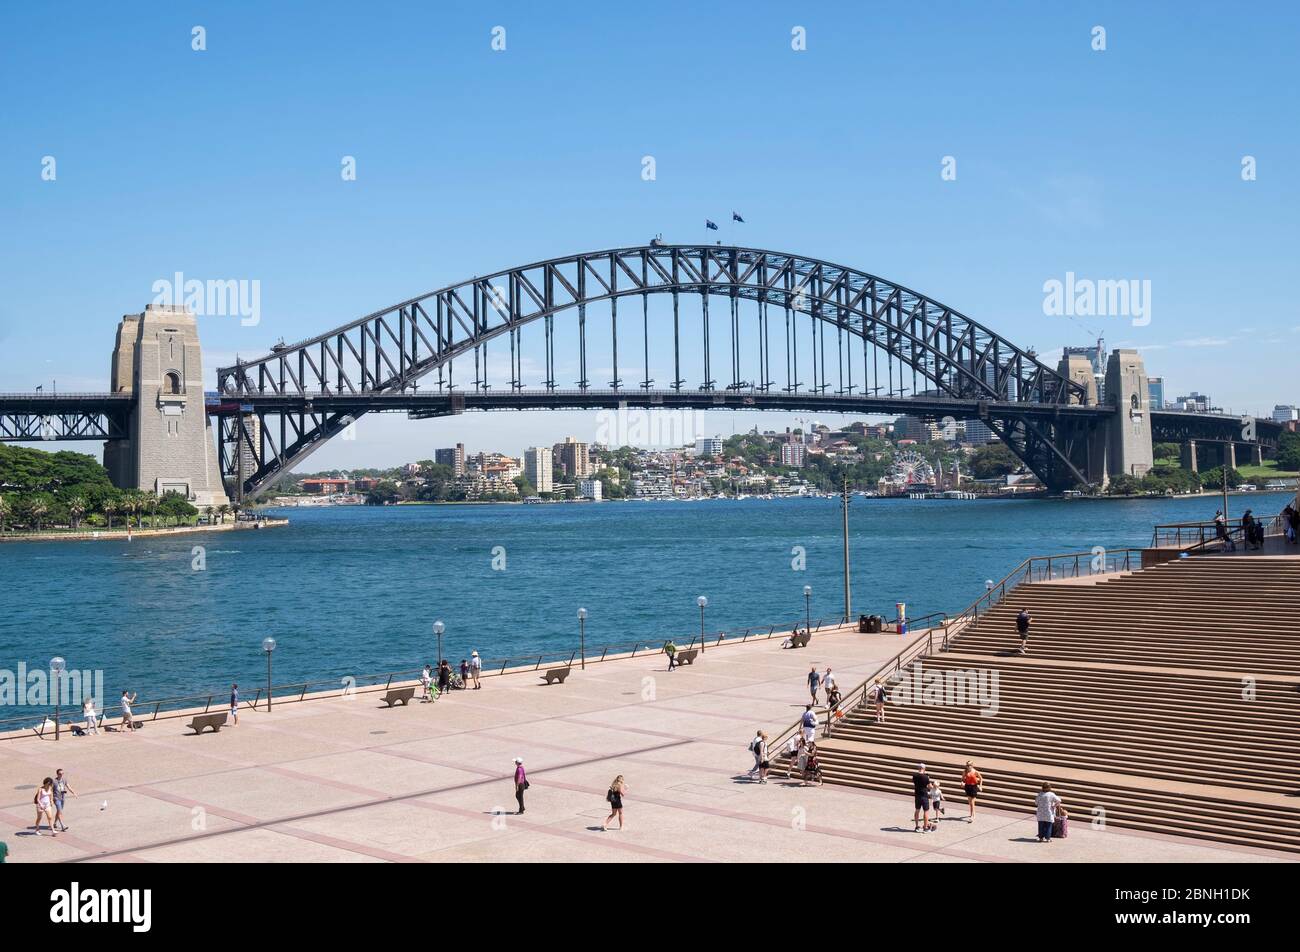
pixel 1291 524
pixel 927 797
pixel 92 720
pixel 49 801
pixel 436 682
pixel 799 753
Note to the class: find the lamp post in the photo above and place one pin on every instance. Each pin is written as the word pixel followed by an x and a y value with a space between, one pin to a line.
pixel 703 603
pixel 268 645
pixel 57 666
pixel 438 629
pixel 582 636
pixel 807 608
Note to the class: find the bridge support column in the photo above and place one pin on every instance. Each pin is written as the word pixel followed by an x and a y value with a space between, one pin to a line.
pixel 1230 454
pixel 171 446
pixel 1189 456
pixel 1090 451
pixel 1131 451
pixel 1257 453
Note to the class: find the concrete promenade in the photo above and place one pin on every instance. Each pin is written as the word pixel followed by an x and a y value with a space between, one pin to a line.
pixel 347 780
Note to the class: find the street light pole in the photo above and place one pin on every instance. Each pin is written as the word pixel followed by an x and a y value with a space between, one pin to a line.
pixel 57 666
pixel 807 609
pixel 703 603
pixel 582 636
pixel 438 629
pixel 268 645
pixel 848 596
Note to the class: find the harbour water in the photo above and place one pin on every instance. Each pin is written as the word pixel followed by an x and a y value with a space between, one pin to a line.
pixel 355 590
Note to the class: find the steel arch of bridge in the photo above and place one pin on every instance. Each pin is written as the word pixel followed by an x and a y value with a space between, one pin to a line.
pixel 388 351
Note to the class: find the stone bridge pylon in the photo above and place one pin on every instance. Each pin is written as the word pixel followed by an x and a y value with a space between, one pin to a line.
pixel 170 445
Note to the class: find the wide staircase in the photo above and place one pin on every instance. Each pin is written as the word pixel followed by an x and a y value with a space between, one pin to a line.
pixel 1165 700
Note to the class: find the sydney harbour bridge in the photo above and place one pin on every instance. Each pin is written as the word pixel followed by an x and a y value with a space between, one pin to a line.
pixel 741 328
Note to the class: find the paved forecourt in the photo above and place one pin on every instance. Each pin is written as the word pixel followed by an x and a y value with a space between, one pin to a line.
pixel 347 780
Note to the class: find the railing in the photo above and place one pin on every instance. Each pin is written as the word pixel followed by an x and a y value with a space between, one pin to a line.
pixel 191 704
pixel 1035 569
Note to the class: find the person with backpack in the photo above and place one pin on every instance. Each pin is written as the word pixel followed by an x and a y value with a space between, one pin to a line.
pixel 1023 621
pixel 876 695
pixel 809 724
pixel 614 797
pixel 61 790
pixel 754 748
pixel 670 650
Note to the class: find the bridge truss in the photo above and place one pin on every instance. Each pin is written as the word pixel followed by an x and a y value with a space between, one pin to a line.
pixel 790 328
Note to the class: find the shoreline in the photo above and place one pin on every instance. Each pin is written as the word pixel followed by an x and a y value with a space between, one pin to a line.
pixel 103 535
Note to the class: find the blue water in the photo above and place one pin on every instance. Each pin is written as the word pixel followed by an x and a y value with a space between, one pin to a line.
pixel 356 590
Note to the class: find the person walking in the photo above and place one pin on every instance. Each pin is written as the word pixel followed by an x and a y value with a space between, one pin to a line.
pixel 1023 621
pixel 426 683
pixel 972 783
pixel 234 705
pixel 128 722
pixel 809 723
pixel 670 650
pixel 61 791
pixel 828 684
pixel 1046 805
pixel 876 695
pixel 936 803
pixel 475 668
pixel 88 712
pixel 44 801
pixel 521 783
pixel 921 800
pixel 754 748
pixel 464 673
pixel 614 797
pixel 764 757
pixel 814 683
pixel 444 676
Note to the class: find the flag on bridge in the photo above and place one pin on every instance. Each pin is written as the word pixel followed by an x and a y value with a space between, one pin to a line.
pixel 735 216
pixel 710 225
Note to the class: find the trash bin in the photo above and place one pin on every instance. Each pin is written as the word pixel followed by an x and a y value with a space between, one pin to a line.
pixel 864 624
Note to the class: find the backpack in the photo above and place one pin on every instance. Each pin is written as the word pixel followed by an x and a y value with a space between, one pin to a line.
pixel 609 795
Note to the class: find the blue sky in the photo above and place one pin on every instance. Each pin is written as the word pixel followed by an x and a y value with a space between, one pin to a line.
pixel 225 164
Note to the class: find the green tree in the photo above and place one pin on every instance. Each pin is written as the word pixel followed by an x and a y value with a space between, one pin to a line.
pixel 1288 452
pixel 992 461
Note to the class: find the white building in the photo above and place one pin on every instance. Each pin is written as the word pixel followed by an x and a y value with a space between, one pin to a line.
pixel 590 489
pixel 538 468
pixel 792 454
pixel 708 446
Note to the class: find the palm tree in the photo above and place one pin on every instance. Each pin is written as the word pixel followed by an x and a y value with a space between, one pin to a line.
pixel 109 507
pixel 222 510
pixel 151 503
pixel 36 510
pixel 76 509
pixel 208 512
pixel 130 504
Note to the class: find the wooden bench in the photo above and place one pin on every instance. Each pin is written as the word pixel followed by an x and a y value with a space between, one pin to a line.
pixel 403 695
pixel 688 656
pixel 556 674
pixel 202 722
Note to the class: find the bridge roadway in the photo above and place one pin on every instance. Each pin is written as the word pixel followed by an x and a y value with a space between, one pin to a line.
pixel 96 416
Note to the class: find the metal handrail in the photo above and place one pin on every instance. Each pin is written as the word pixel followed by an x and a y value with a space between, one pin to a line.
pixel 184 705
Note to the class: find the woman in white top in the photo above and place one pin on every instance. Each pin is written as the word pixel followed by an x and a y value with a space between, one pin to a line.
pixel 88 712
pixel 44 801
